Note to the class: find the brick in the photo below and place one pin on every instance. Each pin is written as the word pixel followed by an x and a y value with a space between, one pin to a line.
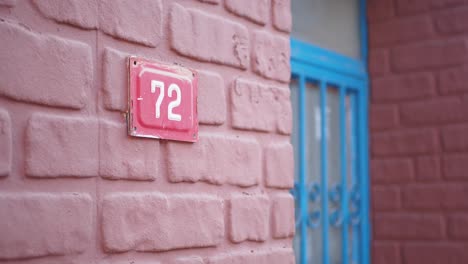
pixel 435 253
pixel 408 226
pixel 452 21
pixel 45 224
pixel 125 20
pixel 383 117
pixel 394 170
pixel 59 146
pixel 455 166
pixel 435 111
pixel 115 80
pixel 430 54
pixel 215 159
pixel 124 157
pixel 282 216
pixel 380 10
pixel 457 226
pixel 248 218
pixel 386 198
pixel 279 165
pixel 270 56
pixel 272 256
pixel 455 138
pixel 73 12
pixel 210 38
pixel 214 2
pixel 386 253
pixel 6 143
pixel 188 260
pixel 161 222
pixel 282 19
pixel 211 98
pixel 453 80
pixel 435 197
pixel 403 87
pixel 255 11
pixel 406 7
pixel 59 70
pixel 401 30
pixel 428 168
pixel 379 62
pixel 250 99
pixel 8 3
pixel 405 142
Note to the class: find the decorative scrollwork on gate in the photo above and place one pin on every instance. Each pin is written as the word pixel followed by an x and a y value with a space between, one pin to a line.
pixel 313 219
pixel 355 206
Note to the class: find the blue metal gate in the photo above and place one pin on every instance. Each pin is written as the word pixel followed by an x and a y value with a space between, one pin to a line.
pixel 321 206
pixel 331 215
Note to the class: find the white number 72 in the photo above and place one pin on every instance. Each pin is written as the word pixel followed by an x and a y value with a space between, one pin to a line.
pixel 173 104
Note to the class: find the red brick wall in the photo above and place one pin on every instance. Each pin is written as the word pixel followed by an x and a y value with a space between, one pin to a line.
pixel 74 188
pixel 419 130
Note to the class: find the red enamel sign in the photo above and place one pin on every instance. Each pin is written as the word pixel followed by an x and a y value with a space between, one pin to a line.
pixel 162 101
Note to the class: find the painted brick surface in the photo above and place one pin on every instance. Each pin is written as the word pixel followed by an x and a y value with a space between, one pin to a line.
pixel 122 157
pixel 114 84
pixel 455 138
pixel 428 168
pixel 270 56
pixel 74 12
pixel 452 80
pixel 217 160
pixel 385 198
pixel 57 146
pixel 160 222
pixel 211 98
pixel 44 57
pixel 44 224
pixel 431 54
pixel 140 23
pixel 277 257
pixel 8 3
pixel 5 143
pixel 250 98
pixel 419 142
pixel 279 164
pixel 408 226
pixel 209 38
pixel 400 30
pixel 256 11
pixel 248 218
pixel 383 117
pixel 282 19
pixel 75 188
pixel 403 87
pixel 282 216
pixel 188 260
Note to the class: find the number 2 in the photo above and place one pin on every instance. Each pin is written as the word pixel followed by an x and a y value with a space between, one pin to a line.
pixel 173 104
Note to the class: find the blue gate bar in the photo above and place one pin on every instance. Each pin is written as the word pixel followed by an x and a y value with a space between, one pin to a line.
pixel 363 172
pixel 354 175
pixel 302 170
pixel 344 186
pixel 324 171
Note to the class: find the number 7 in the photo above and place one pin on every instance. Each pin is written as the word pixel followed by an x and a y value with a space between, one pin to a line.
pixel 157 84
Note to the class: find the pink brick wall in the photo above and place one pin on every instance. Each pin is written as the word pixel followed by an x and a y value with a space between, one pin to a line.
pixel 74 188
pixel 419 130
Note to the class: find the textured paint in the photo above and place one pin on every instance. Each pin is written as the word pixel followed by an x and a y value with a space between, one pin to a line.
pixel 75 188
pixel 419 133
